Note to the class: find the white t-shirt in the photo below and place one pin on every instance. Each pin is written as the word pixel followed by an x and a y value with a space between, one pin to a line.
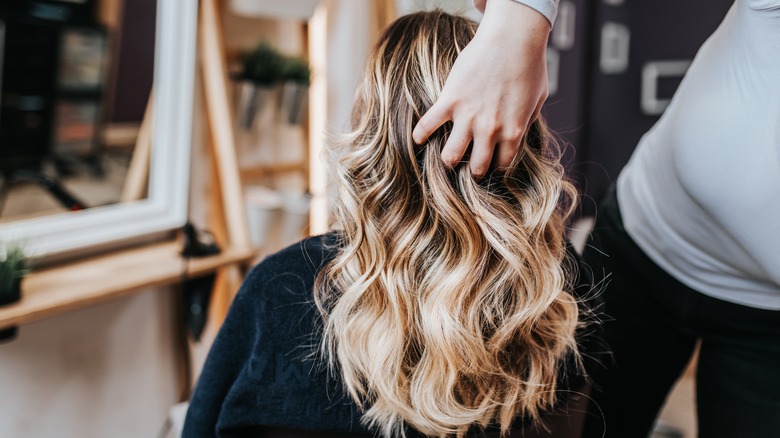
pixel 548 8
pixel 701 193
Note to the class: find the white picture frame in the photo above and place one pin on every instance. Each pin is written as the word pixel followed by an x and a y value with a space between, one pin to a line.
pixel 165 207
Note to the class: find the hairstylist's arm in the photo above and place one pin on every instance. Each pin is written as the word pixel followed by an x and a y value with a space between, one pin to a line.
pixel 495 89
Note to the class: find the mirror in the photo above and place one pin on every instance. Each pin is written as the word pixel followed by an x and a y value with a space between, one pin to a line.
pixel 74 90
pixel 88 154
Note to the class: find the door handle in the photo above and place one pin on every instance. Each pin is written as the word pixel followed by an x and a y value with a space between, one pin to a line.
pixel 563 31
pixel 651 104
pixel 615 40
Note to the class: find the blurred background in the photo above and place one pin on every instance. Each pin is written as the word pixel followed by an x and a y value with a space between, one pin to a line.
pixel 79 132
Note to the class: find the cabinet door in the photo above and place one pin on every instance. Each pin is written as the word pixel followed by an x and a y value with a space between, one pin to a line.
pixel 568 69
pixel 641 50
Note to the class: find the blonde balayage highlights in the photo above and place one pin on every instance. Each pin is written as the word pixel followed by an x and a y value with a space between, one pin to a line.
pixel 447 305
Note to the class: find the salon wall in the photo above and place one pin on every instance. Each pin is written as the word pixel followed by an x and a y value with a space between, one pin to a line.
pixel 104 371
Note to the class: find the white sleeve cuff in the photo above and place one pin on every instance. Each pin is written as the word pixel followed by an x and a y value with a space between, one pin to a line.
pixel 548 8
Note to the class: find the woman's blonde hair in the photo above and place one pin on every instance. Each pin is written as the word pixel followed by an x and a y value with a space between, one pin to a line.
pixel 446 306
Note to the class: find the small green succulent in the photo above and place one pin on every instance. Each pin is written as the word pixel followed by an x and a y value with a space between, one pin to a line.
pixel 14 265
pixel 263 65
pixel 296 69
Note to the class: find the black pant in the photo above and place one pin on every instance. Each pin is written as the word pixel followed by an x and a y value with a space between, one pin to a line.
pixel 652 327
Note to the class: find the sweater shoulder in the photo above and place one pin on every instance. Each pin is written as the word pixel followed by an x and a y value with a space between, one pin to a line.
pixel 297 263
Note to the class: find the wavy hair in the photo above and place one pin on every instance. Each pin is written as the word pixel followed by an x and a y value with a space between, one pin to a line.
pixel 447 305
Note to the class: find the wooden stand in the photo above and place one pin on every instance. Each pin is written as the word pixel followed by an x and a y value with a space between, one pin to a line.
pixel 227 215
pixel 227 218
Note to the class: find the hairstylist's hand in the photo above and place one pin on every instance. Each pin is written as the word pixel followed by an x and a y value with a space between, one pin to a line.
pixel 495 89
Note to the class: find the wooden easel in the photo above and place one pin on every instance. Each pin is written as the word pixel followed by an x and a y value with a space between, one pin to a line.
pixel 220 120
pixel 227 218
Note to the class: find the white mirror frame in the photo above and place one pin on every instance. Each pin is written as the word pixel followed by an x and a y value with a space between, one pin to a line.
pixel 165 207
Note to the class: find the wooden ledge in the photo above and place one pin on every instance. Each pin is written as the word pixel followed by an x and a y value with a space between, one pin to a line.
pixel 53 291
pixel 256 172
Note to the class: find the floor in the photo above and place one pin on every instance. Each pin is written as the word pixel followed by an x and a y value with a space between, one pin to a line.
pixel 679 413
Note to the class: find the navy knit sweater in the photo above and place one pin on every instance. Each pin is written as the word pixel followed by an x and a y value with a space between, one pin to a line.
pixel 262 370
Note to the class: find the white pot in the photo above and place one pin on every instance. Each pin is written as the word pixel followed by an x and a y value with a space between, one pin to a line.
pixel 263 210
pixel 254 102
pixel 296 217
pixel 294 102
pixel 284 9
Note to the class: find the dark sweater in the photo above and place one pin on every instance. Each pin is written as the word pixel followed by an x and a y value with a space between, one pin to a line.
pixel 262 370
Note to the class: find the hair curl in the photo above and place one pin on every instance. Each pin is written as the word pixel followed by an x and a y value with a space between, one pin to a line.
pixel 446 306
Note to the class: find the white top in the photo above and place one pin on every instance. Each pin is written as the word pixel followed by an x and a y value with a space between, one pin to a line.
pixel 548 8
pixel 701 193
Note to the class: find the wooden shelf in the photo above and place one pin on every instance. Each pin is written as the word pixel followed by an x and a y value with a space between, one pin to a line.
pixel 72 286
pixel 272 169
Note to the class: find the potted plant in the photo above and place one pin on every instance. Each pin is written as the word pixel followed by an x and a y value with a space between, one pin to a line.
pixel 261 68
pixel 14 266
pixel 296 76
